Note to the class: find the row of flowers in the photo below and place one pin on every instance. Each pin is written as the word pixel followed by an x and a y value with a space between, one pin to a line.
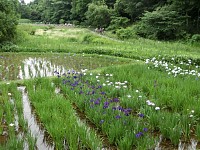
pixel 183 68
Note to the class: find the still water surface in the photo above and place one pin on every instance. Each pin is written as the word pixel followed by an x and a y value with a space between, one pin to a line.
pixel 15 66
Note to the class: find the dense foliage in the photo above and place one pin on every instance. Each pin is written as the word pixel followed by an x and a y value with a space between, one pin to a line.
pixel 163 23
pixel 156 19
pixel 8 20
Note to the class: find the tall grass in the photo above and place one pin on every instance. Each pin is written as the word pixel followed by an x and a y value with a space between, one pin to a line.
pixel 136 90
pixel 83 40
pixel 59 118
pixel 7 119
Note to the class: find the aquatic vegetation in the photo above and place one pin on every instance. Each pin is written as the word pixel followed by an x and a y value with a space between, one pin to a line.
pixel 97 101
pixel 26 66
pixel 104 99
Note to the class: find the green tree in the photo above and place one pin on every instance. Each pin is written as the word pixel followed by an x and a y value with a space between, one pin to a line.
pixel 24 10
pixel 8 20
pixel 191 10
pixel 110 3
pixel 78 10
pixel 61 10
pixel 133 9
pixel 36 10
pixel 98 15
pixel 164 24
pixel 118 22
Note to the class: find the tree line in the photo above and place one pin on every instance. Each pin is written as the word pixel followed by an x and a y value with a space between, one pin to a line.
pixel 154 19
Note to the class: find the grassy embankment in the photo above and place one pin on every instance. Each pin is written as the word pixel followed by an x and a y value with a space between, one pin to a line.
pixel 76 40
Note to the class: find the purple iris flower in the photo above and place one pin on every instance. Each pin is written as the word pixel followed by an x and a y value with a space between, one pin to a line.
pixel 103 93
pixel 99 87
pixel 99 98
pixel 120 108
pixel 141 115
pixel 127 111
pixel 106 104
pixel 93 92
pixel 145 129
pixel 118 117
pixel 114 108
pixel 116 99
pixel 138 135
pixel 97 102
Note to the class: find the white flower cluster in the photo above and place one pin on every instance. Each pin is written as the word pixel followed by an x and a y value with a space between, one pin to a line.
pixel 84 71
pixel 191 114
pixel 173 69
pixel 152 104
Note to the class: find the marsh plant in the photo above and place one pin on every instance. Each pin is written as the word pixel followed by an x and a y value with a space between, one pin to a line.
pixel 26 66
pixel 103 107
pixel 180 68
pixel 59 118
pixel 131 102
pixel 113 105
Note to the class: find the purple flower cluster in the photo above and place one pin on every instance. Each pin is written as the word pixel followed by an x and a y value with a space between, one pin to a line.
pixel 106 104
pixel 94 97
pixel 118 117
pixel 126 111
pixel 139 134
pixel 141 115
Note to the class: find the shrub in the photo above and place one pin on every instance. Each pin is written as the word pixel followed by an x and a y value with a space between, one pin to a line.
pixel 118 22
pixel 195 38
pixel 21 36
pixel 61 21
pixel 87 38
pixel 125 33
pixel 8 47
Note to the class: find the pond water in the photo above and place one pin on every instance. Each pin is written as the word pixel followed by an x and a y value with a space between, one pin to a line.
pixel 15 66
pixel 33 126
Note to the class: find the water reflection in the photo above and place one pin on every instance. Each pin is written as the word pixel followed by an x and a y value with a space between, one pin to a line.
pixel 25 66
pixel 38 67
pixel 33 126
pixel 162 145
pixel 20 134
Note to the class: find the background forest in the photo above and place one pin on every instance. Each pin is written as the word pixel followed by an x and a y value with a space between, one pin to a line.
pixel 153 19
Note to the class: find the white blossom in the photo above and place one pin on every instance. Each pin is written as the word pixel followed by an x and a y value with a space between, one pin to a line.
pixel 157 108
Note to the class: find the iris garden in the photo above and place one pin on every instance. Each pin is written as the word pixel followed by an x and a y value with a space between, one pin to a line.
pixel 95 101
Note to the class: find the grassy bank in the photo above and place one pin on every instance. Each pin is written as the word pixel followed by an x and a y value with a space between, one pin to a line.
pixel 78 40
